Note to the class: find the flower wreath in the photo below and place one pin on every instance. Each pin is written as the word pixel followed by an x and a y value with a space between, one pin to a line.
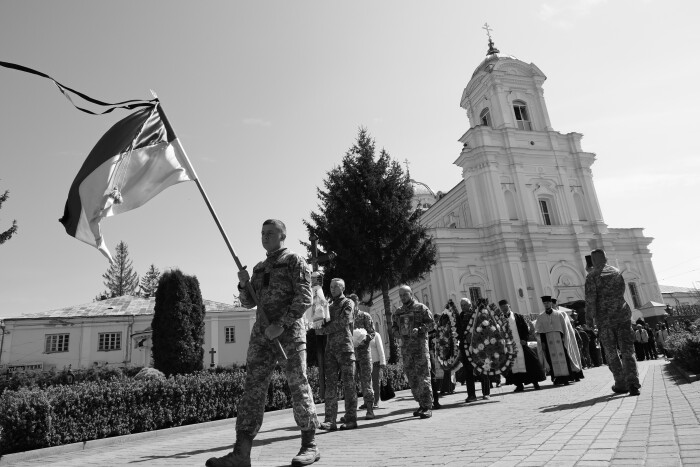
pixel 492 349
pixel 446 344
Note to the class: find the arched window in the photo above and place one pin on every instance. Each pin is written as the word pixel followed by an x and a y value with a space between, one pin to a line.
pixel 522 116
pixel 485 117
pixel 510 205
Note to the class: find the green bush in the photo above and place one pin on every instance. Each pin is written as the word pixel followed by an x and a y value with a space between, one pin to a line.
pixel 36 417
pixel 685 348
pixel 43 379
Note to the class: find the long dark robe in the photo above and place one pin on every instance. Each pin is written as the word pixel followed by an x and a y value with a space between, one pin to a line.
pixel 534 373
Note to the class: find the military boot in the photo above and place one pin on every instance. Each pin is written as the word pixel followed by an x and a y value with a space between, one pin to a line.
pixel 240 457
pixel 309 452
pixel 370 412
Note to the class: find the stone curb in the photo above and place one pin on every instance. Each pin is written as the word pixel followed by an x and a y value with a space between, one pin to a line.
pixel 9 459
pixel 689 377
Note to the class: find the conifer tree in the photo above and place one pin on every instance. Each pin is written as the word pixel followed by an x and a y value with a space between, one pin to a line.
pixel 178 324
pixel 149 282
pixel 366 217
pixel 7 234
pixel 120 278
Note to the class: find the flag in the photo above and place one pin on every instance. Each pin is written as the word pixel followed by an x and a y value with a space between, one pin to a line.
pixel 135 160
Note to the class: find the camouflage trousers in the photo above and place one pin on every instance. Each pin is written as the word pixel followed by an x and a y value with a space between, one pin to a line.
pixel 364 373
pixel 416 365
pixel 621 362
pixel 344 363
pixel 260 363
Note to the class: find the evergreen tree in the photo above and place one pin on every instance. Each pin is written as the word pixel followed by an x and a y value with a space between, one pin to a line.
pixel 149 282
pixel 366 217
pixel 7 234
pixel 178 324
pixel 120 278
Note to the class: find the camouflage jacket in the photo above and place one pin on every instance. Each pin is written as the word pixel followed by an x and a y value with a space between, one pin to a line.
pixel 282 284
pixel 605 301
pixel 363 320
pixel 339 328
pixel 412 316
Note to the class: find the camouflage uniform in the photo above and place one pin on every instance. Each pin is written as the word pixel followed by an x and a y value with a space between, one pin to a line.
pixel 339 354
pixel 606 306
pixel 414 349
pixel 363 320
pixel 282 284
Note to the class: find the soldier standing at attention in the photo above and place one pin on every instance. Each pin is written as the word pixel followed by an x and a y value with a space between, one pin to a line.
pixel 412 322
pixel 606 306
pixel 363 320
pixel 340 354
pixel 282 285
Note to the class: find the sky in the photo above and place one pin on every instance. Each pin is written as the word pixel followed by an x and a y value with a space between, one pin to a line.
pixel 266 98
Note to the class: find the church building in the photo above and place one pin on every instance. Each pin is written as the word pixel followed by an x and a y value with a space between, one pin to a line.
pixel 521 221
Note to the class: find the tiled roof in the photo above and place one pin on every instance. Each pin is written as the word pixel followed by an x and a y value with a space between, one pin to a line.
pixel 120 306
pixel 674 289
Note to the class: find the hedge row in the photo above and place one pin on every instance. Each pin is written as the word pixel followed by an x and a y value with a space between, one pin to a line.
pixel 33 418
pixel 43 379
pixel 685 347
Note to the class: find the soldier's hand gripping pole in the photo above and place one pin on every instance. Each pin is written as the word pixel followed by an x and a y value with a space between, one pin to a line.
pixel 249 286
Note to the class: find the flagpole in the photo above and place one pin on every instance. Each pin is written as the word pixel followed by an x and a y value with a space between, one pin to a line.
pixel 249 286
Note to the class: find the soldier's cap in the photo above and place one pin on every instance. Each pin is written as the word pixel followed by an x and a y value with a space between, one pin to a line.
pixel 277 223
pixel 546 298
pixel 354 298
pixel 503 302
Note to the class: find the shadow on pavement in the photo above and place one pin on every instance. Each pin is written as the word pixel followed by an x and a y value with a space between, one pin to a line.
pixel 586 403
pixel 674 374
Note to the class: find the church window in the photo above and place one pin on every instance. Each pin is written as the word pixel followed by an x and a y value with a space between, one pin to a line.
pixel 546 212
pixel 522 116
pixel 109 341
pixel 635 294
pixel 230 334
pixel 474 294
pixel 485 117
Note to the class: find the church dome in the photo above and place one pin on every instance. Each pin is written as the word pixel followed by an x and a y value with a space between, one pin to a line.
pixel 488 64
pixel 423 196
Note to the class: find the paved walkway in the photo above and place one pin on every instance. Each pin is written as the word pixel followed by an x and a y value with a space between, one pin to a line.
pixel 583 424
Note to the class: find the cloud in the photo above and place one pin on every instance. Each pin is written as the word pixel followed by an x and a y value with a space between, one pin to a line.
pixel 256 121
pixel 563 14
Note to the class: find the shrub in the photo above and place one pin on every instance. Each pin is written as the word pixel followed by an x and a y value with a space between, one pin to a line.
pixel 46 378
pixel 685 348
pixel 178 324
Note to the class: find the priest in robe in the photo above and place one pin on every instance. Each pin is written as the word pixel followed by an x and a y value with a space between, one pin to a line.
pixel 526 367
pixel 557 344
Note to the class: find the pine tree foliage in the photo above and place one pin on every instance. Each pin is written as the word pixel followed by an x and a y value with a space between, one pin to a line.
pixel 366 217
pixel 7 234
pixel 120 278
pixel 178 324
pixel 149 282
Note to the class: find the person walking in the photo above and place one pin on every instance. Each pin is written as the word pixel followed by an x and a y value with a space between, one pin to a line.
pixel 339 356
pixel 363 369
pixel 282 283
pixel 606 307
pixel 376 347
pixel 526 367
pixel 412 322
pixel 464 334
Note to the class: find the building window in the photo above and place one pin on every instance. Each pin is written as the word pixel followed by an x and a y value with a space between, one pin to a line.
pixel 485 117
pixel 230 333
pixel 522 117
pixel 56 343
pixel 546 212
pixel 474 294
pixel 109 341
pixel 635 295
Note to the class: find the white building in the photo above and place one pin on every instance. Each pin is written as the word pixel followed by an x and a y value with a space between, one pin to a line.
pixel 116 331
pixel 675 296
pixel 521 221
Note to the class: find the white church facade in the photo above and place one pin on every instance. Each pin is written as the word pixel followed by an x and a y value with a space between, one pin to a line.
pixel 525 214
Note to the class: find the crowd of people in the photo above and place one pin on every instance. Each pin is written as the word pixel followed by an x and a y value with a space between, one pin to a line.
pixel 474 342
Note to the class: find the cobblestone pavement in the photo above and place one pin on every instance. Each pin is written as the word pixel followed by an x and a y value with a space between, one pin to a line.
pixel 583 424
